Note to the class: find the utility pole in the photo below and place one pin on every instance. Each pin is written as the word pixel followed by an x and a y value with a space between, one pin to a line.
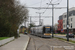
pixel 39 16
pixel 30 24
pixel 67 20
pixel 41 22
pixel 52 15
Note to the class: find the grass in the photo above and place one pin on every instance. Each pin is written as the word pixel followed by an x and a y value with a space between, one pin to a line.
pixel 7 43
pixel 2 38
pixel 65 40
pixel 60 34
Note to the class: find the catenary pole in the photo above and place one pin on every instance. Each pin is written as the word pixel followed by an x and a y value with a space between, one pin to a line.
pixel 52 19
pixel 52 15
pixel 67 20
pixel 39 16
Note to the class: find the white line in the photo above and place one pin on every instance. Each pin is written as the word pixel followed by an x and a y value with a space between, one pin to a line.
pixel 26 44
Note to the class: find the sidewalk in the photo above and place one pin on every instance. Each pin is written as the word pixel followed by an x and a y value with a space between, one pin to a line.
pixel 17 44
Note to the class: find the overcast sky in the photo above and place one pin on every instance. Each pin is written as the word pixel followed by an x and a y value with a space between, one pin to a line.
pixel 48 12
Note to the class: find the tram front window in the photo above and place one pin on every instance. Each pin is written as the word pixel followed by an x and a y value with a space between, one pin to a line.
pixel 47 30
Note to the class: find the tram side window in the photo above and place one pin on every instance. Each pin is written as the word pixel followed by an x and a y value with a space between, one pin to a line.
pixel 44 30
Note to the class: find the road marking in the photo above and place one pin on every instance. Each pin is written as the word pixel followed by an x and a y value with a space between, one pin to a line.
pixel 25 46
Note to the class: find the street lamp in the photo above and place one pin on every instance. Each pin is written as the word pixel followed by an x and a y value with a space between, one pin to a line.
pixel 67 20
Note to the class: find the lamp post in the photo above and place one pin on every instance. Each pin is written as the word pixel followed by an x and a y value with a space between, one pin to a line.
pixel 67 20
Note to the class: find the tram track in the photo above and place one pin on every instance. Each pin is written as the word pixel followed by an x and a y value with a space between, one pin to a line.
pixel 44 44
pixel 48 44
pixel 57 43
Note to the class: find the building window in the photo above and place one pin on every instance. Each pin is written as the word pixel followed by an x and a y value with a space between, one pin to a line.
pixel 63 21
pixel 64 26
pixel 71 19
pixel 71 25
pixel 71 14
pixel 64 16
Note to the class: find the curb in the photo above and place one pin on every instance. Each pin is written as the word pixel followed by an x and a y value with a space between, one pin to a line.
pixel 8 41
pixel 27 43
pixel 66 41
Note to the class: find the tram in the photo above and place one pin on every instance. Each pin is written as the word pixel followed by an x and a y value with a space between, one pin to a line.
pixel 43 31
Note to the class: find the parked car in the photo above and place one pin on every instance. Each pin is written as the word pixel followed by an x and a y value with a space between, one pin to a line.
pixel 71 35
pixel 25 32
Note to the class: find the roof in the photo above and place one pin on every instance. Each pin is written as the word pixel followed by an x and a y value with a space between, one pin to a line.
pixel 22 27
pixel 71 9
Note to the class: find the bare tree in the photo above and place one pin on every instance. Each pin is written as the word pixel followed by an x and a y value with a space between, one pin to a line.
pixel 12 14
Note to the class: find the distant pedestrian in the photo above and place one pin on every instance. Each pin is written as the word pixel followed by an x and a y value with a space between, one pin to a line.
pixel 18 32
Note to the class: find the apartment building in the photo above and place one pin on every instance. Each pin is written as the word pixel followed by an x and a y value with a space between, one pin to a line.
pixel 71 20
pixel 60 24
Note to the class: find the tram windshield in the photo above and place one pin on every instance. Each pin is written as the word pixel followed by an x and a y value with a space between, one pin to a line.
pixel 47 30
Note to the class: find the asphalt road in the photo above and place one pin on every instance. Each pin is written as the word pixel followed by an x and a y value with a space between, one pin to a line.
pixel 38 43
pixel 65 37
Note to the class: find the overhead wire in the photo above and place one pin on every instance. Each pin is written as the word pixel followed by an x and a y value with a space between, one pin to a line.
pixel 57 1
pixel 46 9
pixel 40 3
pixel 47 6
pixel 51 2
pixel 36 3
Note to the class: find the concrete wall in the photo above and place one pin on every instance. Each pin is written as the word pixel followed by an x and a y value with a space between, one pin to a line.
pixel 5 40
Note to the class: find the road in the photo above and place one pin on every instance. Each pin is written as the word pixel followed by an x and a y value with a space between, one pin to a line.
pixel 64 37
pixel 38 43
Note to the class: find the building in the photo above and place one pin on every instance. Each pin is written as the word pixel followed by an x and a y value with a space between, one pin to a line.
pixel 71 20
pixel 22 29
pixel 60 24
